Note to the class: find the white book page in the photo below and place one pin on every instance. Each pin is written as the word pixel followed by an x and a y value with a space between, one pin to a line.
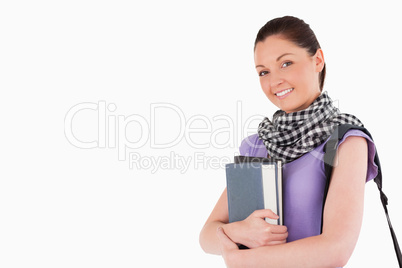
pixel 280 193
pixel 270 190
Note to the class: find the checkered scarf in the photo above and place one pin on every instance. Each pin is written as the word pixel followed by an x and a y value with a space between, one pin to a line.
pixel 289 136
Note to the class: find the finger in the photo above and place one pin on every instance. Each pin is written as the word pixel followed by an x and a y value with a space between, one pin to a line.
pixel 273 243
pixel 226 242
pixel 278 237
pixel 265 213
pixel 278 229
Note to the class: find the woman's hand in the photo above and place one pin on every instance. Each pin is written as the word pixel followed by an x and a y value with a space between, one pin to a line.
pixel 255 232
pixel 252 232
pixel 228 247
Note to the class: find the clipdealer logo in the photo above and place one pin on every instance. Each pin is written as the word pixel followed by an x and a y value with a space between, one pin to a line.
pixel 113 132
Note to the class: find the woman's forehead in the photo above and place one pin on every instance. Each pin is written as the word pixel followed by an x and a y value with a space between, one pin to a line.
pixel 273 47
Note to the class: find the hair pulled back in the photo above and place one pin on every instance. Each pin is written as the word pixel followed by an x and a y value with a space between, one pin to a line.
pixel 296 31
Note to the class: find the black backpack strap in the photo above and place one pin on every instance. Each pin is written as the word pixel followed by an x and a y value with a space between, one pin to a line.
pixel 329 156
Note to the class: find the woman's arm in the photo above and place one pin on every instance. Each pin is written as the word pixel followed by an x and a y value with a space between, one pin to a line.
pixel 343 215
pixel 219 216
pixel 252 232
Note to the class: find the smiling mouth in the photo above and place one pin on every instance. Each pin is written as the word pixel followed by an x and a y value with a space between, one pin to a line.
pixel 284 92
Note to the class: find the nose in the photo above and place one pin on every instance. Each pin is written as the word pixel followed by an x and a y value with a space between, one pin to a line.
pixel 275 80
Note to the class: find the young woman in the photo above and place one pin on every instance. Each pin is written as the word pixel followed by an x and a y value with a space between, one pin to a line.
pixel 291 69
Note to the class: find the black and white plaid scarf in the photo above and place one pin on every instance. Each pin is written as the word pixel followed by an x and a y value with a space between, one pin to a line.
pixel 289 136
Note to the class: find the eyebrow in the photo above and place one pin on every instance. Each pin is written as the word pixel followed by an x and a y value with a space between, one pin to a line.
pixel 277 59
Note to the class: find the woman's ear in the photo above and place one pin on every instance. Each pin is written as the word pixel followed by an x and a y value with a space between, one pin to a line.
pixel 319 60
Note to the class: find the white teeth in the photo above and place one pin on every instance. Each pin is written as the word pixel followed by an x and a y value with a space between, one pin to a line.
pixel 280 94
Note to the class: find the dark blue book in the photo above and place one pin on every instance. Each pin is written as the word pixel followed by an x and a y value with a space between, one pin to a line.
pixel 253 185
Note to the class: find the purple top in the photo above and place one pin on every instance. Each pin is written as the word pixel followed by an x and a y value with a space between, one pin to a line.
pixel 304 183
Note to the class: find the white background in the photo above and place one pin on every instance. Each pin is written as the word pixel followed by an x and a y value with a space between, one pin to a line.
pixel 64 206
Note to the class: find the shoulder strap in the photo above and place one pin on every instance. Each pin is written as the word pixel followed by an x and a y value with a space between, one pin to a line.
pixel 329 156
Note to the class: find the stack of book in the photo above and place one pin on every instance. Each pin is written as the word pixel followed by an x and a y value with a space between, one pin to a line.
pixel 254 183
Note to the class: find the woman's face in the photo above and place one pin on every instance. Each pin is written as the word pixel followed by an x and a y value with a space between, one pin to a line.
pixel 289 76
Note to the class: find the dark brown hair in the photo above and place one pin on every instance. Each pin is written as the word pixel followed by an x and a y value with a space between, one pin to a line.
pixel 296 31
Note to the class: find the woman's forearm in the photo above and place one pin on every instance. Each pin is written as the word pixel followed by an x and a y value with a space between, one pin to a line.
pixel 209 241
pixel 316 251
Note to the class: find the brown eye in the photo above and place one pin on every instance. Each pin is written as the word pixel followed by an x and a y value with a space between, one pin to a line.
pixel 286 64
pixel 263 73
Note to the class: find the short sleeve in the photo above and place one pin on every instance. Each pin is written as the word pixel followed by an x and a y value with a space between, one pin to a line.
pixel 372 168
pixel 253 146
